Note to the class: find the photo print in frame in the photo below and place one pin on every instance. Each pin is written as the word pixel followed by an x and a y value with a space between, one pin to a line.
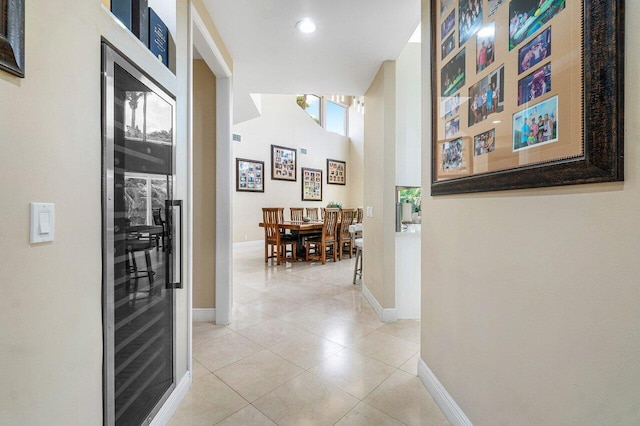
pixel 283 163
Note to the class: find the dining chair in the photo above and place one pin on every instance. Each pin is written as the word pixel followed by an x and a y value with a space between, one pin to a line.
pixel 328 239
pixel 296 214
pixel 312 213
pixel 158 221
pixel 275 241
pixel 360 215
pixel 345 240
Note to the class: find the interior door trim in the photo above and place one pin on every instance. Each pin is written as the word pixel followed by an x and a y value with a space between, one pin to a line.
pixel 110 56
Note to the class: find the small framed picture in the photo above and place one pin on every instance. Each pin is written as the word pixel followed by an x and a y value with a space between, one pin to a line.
pixel 470 19
pixel 534 52
pixel 448 24
pixel 484 143
pixel 336 172
pixel 453 75
pixel 448 45
pixel 454 158
pixel 536 125
pixel 452 128
pixel 283 163
pixel 535 84
pixel 249 175
pixel 484 47
pixel 311 184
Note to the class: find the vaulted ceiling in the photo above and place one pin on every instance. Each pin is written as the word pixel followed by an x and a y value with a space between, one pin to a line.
pixel 342 56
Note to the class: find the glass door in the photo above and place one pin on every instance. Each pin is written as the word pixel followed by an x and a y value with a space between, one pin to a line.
pixel 138 255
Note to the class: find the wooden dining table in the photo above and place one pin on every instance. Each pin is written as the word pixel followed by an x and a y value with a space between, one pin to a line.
pixel 302 228
pixel 299 225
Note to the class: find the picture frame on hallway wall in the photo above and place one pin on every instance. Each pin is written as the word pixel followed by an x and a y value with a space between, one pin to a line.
pixel 311 184
pixel 12 37
pixel 249 175
pixel 549 105
pixel 284 163
pixel 336 172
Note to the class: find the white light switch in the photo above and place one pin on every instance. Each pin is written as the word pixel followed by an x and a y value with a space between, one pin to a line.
pixel 42 222
pixel 369 211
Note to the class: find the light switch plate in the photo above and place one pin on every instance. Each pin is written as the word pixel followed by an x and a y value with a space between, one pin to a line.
pixel 369 211
pixel 42 222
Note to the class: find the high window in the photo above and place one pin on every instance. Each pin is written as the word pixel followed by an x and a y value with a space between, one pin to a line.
pixel 312 106
pixel 336 118
pixel 328 113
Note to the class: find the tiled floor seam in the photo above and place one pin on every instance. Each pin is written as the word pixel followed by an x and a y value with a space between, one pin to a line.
pixel 272 390
pixel 265 414
pixel 344 390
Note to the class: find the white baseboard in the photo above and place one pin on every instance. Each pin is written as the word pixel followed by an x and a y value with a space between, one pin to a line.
pixel 255 243
pixel 203 314
pixel 385 314
pixel 447 405
pixel 171 404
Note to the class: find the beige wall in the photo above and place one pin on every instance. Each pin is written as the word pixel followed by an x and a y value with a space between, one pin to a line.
pixel 50 136
pixel 408 116
pixel 284 123
pixel 50 310
pixel 530 298
pixel 204 184
pixel 356 155
pixel 379 185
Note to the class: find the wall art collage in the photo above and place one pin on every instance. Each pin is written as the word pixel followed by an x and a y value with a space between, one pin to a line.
pixel 284 166
pixel 510 88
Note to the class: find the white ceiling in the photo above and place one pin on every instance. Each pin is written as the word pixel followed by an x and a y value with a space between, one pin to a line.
pixel 352 39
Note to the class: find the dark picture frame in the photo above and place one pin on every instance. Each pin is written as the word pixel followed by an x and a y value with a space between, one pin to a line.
pixel 249 175
pixel 311 184
pixel 336 172
pixel 284 163
pixel 12 37
pixel 600 126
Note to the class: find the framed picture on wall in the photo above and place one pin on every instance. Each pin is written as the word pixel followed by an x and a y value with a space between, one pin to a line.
pixel 311 184
pixel 249 175
pixel 12 37
pixel 336 172
pixel 283 163
pixel 543 84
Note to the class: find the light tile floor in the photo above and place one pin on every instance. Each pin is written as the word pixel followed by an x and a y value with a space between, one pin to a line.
pixel 305 348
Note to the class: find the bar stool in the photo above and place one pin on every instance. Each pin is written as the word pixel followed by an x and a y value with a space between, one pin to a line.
pixel 133 246
pixel 357 270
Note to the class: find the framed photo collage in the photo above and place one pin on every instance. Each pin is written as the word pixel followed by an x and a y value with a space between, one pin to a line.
pixel 284 166
pixel 511 101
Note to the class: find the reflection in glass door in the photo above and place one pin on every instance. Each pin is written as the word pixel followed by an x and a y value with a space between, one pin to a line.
pixel 138 299
pixel 145 196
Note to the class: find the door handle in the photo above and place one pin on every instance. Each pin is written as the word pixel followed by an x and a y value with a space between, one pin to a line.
pixel 173 257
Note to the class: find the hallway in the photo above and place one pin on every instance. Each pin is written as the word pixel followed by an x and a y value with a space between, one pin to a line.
pixel 305 348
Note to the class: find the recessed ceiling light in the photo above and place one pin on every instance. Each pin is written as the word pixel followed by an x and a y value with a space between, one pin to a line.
pixel 306 26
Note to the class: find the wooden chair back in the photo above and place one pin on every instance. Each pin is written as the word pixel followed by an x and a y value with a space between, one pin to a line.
pixel 312 213
pixel 330 225
pixel 296 214
pixel 348 217
pixel 360 215
pixel 272 217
